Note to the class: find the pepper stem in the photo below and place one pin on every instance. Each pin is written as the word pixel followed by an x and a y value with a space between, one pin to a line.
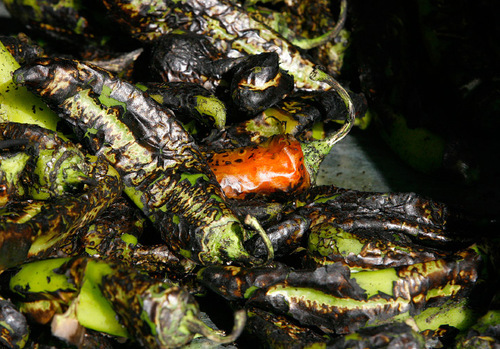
pixel 316 151
pixel 254 223
pixel 310 43
pixel 195 325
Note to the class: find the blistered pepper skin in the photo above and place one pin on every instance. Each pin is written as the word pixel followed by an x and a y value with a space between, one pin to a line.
pixel 274 166
pixel 163 170
pixel 66 195
pixel 230 27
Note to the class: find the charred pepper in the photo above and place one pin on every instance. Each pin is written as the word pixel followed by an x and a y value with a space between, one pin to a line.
pixel 189 101
pixel 17 103
pixel 163 171
pixel 283 164
pixel 115 299
pixel 34 228
pixel 14 328
pixel 231 29
pixel 340 301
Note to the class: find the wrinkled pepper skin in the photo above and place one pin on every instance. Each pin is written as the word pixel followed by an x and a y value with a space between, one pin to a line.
pixel 278 331
pixel 58 167
pixel 385 293
pixel 274 166
pixel 332 241
pixel 163 171
pixel 428 222
pixel 231 29
pixel 14 328
pixel 115 298
pixel 248 84
pixel 392 335
pixel 189 101
pixel 188 57
pixel 36 228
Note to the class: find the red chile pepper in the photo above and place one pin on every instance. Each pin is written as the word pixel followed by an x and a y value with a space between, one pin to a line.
pixel 281 164
pixel 277 165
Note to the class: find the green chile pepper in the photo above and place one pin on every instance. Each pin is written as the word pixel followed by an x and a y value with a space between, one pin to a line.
pixel 36 229
pixel 12 165
pixel 301 23
pixel 189 100
pixel 14 328
pixel 17 103
pixel 229 26
pixel 277 331
pixel 386 294
pixel 58 166
pixel 163 171
pixel 370 248
pixel 340 301
pixel 183 56
pixel 113 298
pixel 47 219
pixel 115 235
pixel 247 84
pixel 65 16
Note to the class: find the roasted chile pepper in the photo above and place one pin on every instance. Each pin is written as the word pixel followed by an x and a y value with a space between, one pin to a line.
pixel 12 165
pixel 22 48
pixel 189 101
pixel 303 23
pixel 113 298
pixel 56 167
pixel 258 83
pixel 338 301
pixel 248 85
pixel 14 328
pixel 188 57
pixel 402 291
pixel 427 221
pixel 35 228
pixel 311 26
pixel 278 331
pixel 230 167
pixel 239 283
pixel 287 236
pixel 363 229
pixel 61 20
pixel 229 26
pixel 115 235
pixel 163 171
pixel 17 103
pixel 332 242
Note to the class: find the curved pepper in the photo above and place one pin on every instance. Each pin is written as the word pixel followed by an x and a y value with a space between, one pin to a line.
pixel 162 168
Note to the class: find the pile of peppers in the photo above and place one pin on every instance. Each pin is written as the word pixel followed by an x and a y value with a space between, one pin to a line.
pixel 158 166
